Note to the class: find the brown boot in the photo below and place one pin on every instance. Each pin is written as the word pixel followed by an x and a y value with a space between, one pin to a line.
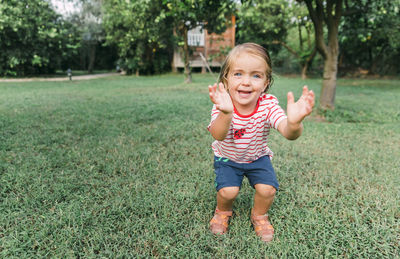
pixel 219 223
pixel 263 227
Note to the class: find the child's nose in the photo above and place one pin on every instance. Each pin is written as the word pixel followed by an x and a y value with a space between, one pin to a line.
pixel 246 80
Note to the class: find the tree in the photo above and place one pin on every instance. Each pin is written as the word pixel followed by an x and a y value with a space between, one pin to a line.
pixel 32 37
pixel 89 20
pixel 142 32
pixel 189 14
pixel 306 51
pixel 262 21
pixel 301 46
pixel 268 22
pixel 370 37
pixel 327 13
pixel 143 29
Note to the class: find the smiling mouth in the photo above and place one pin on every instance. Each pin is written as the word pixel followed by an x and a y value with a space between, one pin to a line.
pixel 244 94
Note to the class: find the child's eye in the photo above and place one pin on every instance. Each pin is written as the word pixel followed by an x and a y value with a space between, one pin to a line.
pixel 257 76
pixel 237 74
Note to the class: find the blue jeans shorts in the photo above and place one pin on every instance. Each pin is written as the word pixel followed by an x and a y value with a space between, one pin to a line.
pixel 230 174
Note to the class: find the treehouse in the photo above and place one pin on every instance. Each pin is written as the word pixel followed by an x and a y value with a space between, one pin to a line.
pixel 205 46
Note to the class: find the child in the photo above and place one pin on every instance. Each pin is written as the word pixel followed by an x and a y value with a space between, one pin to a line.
pixel 241 119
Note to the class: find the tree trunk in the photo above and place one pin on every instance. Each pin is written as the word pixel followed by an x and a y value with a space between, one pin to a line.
pixel 300 36
pixel 307 64
pixel 308 37
pixel 328 91
pixel 175 56
pixel 83 57
pixel 188 74
pixel 328 13
pixel 92 57
pixel 304 67
pixel 304 71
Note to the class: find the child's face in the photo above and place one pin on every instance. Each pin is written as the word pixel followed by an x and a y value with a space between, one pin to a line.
pixel 247 79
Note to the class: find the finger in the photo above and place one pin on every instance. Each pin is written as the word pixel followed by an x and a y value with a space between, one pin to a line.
pixel 221 87
pixel 215 89
pixel 215 86
pixel 210 89
pixel 311 98
pixel 212 93
pixel 305 91
pixel 290 98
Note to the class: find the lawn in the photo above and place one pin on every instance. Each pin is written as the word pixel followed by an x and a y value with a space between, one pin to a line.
pixel 61 73
pixel 122 167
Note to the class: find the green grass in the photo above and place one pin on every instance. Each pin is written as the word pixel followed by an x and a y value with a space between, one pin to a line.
pixel 122 167
pixel 60 73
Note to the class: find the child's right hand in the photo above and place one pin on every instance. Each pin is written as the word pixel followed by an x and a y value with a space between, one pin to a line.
pixel 220 98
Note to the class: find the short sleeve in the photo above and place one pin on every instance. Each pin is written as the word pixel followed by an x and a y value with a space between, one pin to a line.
pixel 275 114
pixel 214 115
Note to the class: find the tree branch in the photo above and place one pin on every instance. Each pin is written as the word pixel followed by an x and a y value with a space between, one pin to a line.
pixel 338 11
pixel 317 17
pixel 312 55
pixel 311 10
pixel 329 16
pixel 350 10
pixel 320 11
pixel 277 42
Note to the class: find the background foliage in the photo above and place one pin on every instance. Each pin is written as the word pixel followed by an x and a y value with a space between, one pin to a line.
pixel 262 21
pixel 142 33
pixel 139 35
pixel 370 37
pixel 32 38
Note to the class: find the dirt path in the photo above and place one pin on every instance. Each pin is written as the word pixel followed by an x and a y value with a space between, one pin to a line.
pixel 84 77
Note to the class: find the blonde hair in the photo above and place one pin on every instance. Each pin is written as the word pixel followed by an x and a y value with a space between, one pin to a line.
pixel 250 48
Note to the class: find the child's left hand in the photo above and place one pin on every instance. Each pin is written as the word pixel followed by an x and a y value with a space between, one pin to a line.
pixel 297 111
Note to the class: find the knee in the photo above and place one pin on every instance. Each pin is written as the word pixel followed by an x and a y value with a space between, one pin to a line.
pixel 266 191
pixel 229 193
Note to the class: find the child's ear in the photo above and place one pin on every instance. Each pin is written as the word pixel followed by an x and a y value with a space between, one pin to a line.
pixel 266 85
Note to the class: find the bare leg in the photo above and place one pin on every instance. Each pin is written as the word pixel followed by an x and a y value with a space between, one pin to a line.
pixel 262 202
pixel 263 198
pixel 225 198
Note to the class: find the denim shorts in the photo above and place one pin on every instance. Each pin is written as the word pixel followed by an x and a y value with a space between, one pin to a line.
pixel 230 174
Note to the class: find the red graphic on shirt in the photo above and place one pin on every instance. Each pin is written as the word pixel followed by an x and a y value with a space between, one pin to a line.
pixel 239 133
pixel 264 97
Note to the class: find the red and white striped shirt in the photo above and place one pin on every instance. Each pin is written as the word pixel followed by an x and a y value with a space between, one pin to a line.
pixel 247 138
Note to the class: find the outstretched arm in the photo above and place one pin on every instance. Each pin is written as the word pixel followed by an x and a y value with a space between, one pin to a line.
pixel 219 96
pixel 292 127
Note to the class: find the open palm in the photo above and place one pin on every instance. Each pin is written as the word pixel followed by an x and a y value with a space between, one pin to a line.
pixel 220 97
pixel 297 111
